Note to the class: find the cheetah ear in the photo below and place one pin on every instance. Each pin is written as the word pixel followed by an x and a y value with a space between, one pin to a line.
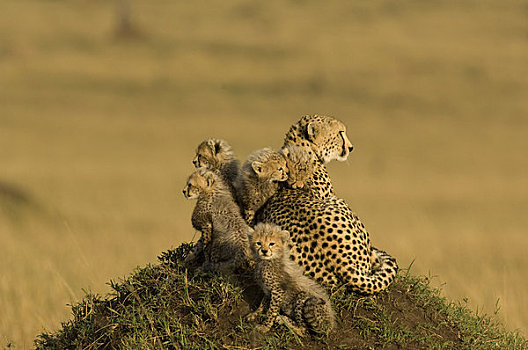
pixel 285 151
pixel 285 236
pixel 213 146
pixel 257 167
pixel 311 131
pixel 250 232
pixel 209 179
pixel 217 147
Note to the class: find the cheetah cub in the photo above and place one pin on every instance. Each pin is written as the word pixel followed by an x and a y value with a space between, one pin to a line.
pixel 292 298
pixel 224 240
pixel 218 156
pixel 300 165
pixel 258 180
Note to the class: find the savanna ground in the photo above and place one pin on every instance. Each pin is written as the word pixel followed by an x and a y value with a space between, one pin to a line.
pixel 97 133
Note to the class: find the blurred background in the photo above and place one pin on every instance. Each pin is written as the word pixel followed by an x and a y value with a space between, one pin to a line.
pixel 102 104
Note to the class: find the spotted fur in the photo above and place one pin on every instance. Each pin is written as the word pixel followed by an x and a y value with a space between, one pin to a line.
pixel 300 166
pixel 291 297
pixel 325 139
pixel 329 241
pixel 224 242
pixel 258 180
pixel 218 156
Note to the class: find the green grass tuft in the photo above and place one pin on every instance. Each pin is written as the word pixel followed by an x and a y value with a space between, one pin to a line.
pixel 165 306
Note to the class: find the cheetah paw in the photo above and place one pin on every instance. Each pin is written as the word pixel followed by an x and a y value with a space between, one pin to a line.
pixel 261 328
pixel 252 316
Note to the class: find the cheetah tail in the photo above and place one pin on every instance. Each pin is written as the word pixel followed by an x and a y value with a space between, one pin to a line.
pixel 383 274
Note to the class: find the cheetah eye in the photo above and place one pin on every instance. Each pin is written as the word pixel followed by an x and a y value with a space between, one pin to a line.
pixel 271 244
pixel 258 244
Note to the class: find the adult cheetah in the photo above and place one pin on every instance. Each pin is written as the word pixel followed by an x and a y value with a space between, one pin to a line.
pixel 330 242
pixel 324 139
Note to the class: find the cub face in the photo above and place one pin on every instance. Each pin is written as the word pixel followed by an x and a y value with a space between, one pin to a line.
pixel 268 241
pixel 198 182
pixel 272 169
pixel 210 153
pixel 300 165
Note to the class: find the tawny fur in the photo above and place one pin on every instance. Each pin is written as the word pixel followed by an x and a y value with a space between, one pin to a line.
pixel 218 156
pixel 323 138
pixel 330 243
pixel 258 180
pixel 300 165
pixel 291 297
pixel 224 238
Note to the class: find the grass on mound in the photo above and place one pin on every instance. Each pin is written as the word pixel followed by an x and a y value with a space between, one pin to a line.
pixel 164 306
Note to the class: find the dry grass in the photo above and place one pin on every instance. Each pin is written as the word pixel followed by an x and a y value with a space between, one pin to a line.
pixel 98 134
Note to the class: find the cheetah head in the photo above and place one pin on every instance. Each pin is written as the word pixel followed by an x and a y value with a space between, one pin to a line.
pixel 325 136
pixel 212 154
pixel 198 182
pixel 300 165
pixel 270 166
pixel 269 241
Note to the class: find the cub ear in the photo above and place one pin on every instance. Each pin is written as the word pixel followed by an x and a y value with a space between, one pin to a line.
pixel 250 232
pixel 285 236
pixel 213 146
pixel 217 147
pixel 209 179
pixel 257 167
pixel 312 130
pixel 285 151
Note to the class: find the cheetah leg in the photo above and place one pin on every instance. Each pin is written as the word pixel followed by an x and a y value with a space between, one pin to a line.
pixel 288 322
pixel 252 316
pixel 207 233
pixel 298 311
pixel 202 246
pixel 273 310
pixel 317 315
pixel 195 253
